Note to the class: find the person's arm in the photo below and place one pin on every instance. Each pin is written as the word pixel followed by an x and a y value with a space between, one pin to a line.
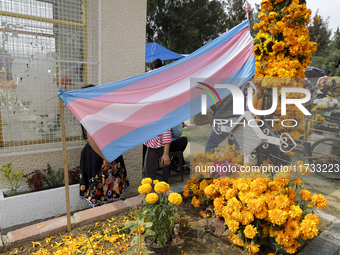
pixel 94 146
pixel 166 140
pixel 166 158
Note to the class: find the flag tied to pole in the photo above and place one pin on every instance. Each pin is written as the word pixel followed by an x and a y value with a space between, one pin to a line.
pixel 123 114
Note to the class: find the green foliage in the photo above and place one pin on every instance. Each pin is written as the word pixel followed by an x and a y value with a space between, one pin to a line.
pixel 160 214
pixel 174 23
pixel 137 226
pixel 321 34
pixel 13 178
pixel 54 178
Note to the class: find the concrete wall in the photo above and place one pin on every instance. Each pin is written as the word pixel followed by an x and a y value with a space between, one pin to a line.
pixel 122 56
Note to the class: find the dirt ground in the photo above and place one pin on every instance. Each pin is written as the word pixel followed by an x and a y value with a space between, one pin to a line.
pixel 200 239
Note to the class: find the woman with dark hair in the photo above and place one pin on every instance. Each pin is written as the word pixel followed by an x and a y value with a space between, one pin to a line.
pixel 100 181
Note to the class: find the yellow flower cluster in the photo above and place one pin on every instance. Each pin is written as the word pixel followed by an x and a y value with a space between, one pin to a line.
pixel 282 50
pixel 175 198
pixel 258 208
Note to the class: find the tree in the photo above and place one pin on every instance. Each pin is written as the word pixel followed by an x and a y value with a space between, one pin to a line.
pixel 184 26
pixel 334 55
pixel 320 33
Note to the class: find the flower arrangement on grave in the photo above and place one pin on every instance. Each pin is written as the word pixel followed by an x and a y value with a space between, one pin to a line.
pixel 161 209
pixel 282 50
pixel 260 208
pixel 326 104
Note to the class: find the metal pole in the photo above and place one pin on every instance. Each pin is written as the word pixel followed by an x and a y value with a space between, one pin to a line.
pixel 67 193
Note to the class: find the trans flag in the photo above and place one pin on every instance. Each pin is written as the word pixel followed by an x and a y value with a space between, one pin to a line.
pixel 123 114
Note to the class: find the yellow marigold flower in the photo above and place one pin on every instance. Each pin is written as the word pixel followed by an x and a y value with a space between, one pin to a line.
pixel 295 211
pixel 281 237
pixel 218 204
pixel 147 181
pixel 247 217
pixel 161 187
pixel 155 182
pixel 237 215
pixel 186 192
pixel 250 231
pixel 319 201
pixel 305 195
pixel 292 229
pixel 316 19
pixel 272 15
pixel 282 201
pixel 230 193
pixel 292 249
pixel 255 205
pixel 151 198
pixel 297 180
pixel 236 240
pixel 175 198
pixel 210 191
pixel 195 202
pixel 144 189
pixel 234 204
pixel 312 217
pixel 309 229
pixel 253 248
pixel 233 225
pixel 262 213
pixel 277 216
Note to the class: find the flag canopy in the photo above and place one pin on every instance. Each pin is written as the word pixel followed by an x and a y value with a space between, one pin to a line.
pixel 123 114
pixel 154 50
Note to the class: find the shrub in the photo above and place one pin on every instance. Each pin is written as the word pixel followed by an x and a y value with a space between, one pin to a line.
pixel 13 178
pixel 73 175
pixel 36 179
pixel 54 179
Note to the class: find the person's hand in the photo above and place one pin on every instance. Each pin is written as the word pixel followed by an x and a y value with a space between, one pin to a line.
pixel 106 165
pixel 165 160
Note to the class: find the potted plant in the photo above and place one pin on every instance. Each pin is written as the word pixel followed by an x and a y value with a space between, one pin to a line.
pixel 161 209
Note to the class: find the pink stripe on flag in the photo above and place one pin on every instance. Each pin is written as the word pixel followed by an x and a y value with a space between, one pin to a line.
pixel 157 110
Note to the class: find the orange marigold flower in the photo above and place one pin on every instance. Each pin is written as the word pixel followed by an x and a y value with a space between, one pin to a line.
pixel 281 237
pixel 305 195
pixel 186 192
pixel 282 201
pixel 195 202
pixel 319 201
pixel 247 217
pixel 253 248
pixel 295 211
pixel 236 240
pixel 292 249
pixel 297 181
pixel 277 216
pixel 292 229
pixel 309 229
pixel 233 225
pixel 250 231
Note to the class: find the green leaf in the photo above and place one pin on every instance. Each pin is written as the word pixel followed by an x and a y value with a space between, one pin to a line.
pixel 134 241
pixel 129 224
pixel 148 224
pixel 149 233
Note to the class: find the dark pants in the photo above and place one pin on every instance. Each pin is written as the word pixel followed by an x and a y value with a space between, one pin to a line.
pixel 151 161
pixel 179 145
